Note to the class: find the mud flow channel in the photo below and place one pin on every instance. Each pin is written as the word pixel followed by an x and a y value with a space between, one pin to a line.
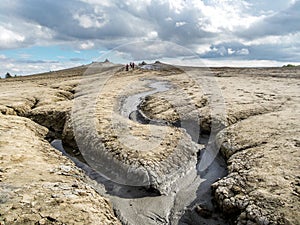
pixel 191 204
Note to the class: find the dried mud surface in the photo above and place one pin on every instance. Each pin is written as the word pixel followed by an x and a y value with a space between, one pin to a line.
pixel 38 185
pixel 253 112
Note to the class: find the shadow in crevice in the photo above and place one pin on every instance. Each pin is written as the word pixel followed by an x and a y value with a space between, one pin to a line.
pixel 111 188
pixel 203 209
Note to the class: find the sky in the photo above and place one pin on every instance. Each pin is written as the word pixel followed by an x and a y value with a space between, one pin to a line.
pixel 46 35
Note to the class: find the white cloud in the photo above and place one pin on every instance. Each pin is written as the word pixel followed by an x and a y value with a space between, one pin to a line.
pixel 227 15
pixel 90 21
pixel 177 5
pixel 200 49
pixel 137 5
pixel 14 66
pixel 276 39
pixel 244 63
pixel 24 56
pixel 152 35
pixel 9 38
pixel 2 57
pixel 98 2
pixel 285 21
pixel 243 51
pixel 230 51
pixel 179 24
pixel 196 61
pixel 86 45
pixel 213 28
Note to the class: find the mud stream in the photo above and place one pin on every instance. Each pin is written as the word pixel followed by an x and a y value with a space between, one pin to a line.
pixel 192 204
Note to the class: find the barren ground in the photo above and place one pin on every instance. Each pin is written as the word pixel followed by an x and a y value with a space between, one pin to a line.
pixel 254 113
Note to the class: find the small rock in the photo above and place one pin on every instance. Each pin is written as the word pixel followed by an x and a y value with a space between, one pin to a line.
pixel 26 199
pixel 236 189
pixel 263 220
pixel 243 216
pixel 42 221
pixel 65 168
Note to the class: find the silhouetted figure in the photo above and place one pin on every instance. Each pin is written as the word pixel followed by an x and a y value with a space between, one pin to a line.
pixel 133 65
pixel 127 67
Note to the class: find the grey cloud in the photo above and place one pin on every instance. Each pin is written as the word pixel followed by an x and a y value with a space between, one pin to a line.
pixel 274 52
pixel 240 51
pixel 123 21
pixel 283 22
pixel 6 60
pixel 76 59
pixel 152 50
pixel 36 61
pixel 59 16
pixel 227 50
pixel 165 20
pixel 74 22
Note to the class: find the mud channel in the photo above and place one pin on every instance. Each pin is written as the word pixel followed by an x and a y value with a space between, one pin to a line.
pixel 190 204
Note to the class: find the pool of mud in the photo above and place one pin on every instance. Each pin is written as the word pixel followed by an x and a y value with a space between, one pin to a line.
pixel 190 204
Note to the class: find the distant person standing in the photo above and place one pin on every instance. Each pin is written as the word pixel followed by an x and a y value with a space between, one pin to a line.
pixel 126 67
pixel 133 65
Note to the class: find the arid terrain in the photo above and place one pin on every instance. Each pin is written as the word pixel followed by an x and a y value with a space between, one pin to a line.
pixel 172 145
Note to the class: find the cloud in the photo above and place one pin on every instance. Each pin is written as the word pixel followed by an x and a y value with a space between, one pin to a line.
pixel 150 50
pixel 2 57
pixel 226 50
pixel 25 67
pixel 79 20
pixel 90 21
pixel 9 38
pixel 86 45
pixel 179 24
pixel 76 59
pixel 212 29
pixel 278 24
pixel 183 22
pixel 282 52
pixel 243 51
pixel 29 61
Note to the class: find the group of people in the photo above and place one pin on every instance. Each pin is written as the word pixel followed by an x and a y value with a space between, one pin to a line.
pixel 131 64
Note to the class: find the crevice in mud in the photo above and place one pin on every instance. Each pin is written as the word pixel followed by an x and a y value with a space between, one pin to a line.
pixel 14 110
pixel 112 190
pixel 202 209
pixel 111 187
pixel 35 103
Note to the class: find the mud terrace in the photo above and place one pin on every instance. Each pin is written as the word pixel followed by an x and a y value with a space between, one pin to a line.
pixel 155 155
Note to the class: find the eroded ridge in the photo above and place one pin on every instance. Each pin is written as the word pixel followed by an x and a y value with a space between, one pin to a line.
pixel 37 184
pixel 129 152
